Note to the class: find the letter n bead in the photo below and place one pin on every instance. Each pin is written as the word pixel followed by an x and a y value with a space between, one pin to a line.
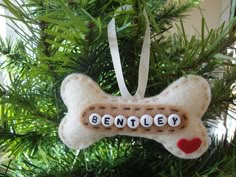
pixel 120 121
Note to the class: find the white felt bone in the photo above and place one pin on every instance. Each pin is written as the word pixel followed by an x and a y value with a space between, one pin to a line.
pixel 191 93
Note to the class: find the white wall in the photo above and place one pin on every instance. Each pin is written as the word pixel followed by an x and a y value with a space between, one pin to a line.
pixel 214 12
pixel 3 32
pixel 5 29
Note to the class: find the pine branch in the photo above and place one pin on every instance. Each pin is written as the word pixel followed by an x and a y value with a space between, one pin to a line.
pixel 71 36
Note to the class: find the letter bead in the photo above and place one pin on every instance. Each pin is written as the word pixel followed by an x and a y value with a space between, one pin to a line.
pixel 146 120
pixel 120 121
pixel 174 120
pixel 107 120
pixel 160 120
pixel 133 122
pixel 95 119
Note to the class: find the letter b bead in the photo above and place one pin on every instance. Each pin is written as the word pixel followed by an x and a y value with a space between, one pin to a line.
pixel 95 119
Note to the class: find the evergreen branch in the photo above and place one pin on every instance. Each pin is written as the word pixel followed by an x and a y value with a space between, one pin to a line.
pixel 71 36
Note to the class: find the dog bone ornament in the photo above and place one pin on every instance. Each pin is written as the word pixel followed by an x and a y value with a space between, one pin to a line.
pixel 172 118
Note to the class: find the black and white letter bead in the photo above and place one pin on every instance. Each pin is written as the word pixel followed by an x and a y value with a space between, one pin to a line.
pixel 107 120
pixel 133 122
pixel 120 121
pixel 160 120
pixel 146 120
pixel 174 120
pixel 95 119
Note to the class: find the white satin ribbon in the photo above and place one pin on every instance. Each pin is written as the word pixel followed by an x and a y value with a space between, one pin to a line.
pixel 144 60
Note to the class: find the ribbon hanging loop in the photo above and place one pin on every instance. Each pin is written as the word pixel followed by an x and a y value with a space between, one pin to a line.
pixel 144 59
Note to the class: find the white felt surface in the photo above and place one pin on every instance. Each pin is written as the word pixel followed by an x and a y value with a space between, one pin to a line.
pixel 191 93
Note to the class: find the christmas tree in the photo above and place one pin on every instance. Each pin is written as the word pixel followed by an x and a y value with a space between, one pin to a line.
pixel 65 37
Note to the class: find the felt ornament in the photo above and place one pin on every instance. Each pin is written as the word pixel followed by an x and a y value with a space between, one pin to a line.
pixel 172 118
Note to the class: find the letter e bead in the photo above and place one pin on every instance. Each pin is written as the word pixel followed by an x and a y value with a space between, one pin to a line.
pixel 160 120
pixel 107 120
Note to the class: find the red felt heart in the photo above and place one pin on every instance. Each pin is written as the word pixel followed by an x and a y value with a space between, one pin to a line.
pixel 189 146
